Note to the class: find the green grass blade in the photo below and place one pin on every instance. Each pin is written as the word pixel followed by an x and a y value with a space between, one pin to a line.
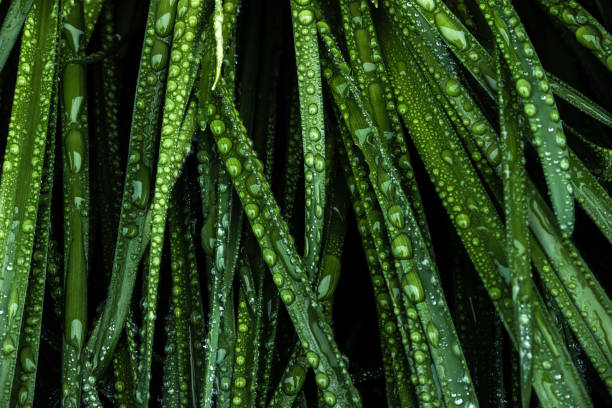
pixel 409 329
pixel 591 196
pixel 418 276
pixel 313 128
pixel 579 101
pixel 11 27
pixel 279 254
pixel 517 226
pixel 174 145
pixel 75 152
pixel 538 106
pixel 24 383
pixel 124 378
pixel 133 234
pixel 586 29
pixel 21 176
pixel 394 360
pixel 91 12
pixel 478 227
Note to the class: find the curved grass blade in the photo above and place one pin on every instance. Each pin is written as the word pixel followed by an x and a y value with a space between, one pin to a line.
pixel 21 177
pixel 514 177
pixel 475 57
pixel 479 228
pixel 419 277
pixel 313 128
pixel 246 352
pixel 411 332
pixel 562 298
pixel 538 105
pixel 171 394
pixel 279 254
pixel 371 75
pixel 225 251
pixel 588 296
pixel 194 312
pixel 592 197
pixel 11 27
pixel 486 141
pixel 291 176
pixel 488 145
pixel 597 158
pixel 586 29
pixel 324 284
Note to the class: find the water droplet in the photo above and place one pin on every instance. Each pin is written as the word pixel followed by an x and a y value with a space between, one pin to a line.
pixel 269 257
pixel 329 276
pixel 287 296
pixel 451 32
pixel 26 358
pixel 322 380
pixel 314 133
pixel 453 87
pixel 306 17
pixel 523 87
pixel 433 334
pixel 412 287
pixel 217 127
pixel 401 247
pixel 428 5
pixel 313 359
pixel 159 55
pixel 294 381
pixel 253 186
pixel 224 145
pixel 234 167
pixel 589 36
pixel 396 216
pixel 463 220
pixel 329 398
pixel 141 187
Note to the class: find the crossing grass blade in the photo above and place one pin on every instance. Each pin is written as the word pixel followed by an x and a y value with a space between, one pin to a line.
pixel 442 163
pixel 278 253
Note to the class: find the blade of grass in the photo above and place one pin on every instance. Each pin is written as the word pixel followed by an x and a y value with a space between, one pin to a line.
pixel 479 227
pixel 279 254
pixel 587 30
pixel 24 382
pixel 75 152
pixel 419 275
pixel 517 227
pixel 134 229
pixel 21 177
pixel 11 27
pixel 313 128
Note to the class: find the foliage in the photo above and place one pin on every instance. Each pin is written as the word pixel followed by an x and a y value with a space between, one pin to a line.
pixel 335 203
